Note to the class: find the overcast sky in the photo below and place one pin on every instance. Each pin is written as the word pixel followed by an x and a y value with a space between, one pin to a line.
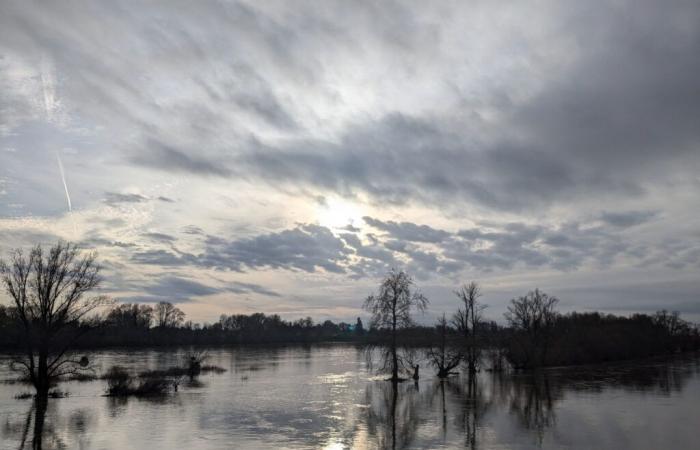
pixel 283 156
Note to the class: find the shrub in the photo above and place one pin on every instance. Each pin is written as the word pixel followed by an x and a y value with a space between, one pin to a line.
pixel 118 381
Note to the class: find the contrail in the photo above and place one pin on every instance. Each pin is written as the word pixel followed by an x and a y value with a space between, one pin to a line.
pixel 65 185
pixel 65 188
pixel 48 84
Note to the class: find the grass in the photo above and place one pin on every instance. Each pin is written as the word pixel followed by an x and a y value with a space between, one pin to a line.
pixel 121 384
pixel 52 394
pixel 58 394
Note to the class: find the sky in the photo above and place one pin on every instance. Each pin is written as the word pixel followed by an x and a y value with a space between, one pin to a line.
pixel 275 156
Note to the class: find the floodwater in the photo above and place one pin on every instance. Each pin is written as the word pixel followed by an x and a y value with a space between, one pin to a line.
pixel 322 397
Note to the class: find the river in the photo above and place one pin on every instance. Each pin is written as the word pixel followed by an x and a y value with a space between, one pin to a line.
pixel 323 397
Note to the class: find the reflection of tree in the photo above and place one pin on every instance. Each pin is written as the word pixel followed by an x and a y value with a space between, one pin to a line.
pixel 392 416
pixel 662 376
pixel 36 417
pixel 532 401
pixel 473 405
pixel 43 428
pixel 396 415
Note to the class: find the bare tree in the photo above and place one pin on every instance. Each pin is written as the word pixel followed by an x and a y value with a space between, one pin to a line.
pixel 168 315
pixel 391 310
pixel 671 322
pixel 49 290
pixel 533 317
pixel 130 315
pixel 467 320
pixel 444 357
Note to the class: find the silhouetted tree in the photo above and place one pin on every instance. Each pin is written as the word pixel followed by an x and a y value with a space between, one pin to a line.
pixel 532 317
pixel 359 328
pixel 48 291
pixel 671 322
pixel 467 320
pixel 443 356
pixel 391 310
pixel 168 315
pixel 128 315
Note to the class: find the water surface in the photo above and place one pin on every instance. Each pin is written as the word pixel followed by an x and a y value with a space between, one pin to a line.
pixel 324 397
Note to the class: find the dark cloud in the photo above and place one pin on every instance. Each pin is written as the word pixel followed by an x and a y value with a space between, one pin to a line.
pixel 158 155
pixel 306 248
pixel 407 231
pixel 242 288
pixel 422 249
pixel 249 91
pixel 113 198
pixel 191 229
pixel 628 218
pixel 162 258
pixel 171 288
pixel 104 242
pixel 179 289
pixel 160 237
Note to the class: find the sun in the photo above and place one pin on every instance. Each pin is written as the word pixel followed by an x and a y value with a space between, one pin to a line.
pixel 338 213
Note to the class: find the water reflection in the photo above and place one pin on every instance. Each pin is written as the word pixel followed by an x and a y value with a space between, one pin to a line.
pixel 531 399
pixel 392 416
pixel 324 397
pixel 473 406
pixel 32 432
pixel 403 415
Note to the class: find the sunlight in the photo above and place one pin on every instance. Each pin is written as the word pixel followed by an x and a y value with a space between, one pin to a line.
pixel 337 213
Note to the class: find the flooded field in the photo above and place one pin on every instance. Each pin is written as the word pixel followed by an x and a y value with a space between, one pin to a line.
pixel 323 397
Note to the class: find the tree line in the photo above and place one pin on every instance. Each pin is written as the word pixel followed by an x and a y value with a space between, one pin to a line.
pixel 51 309
pixel 536 335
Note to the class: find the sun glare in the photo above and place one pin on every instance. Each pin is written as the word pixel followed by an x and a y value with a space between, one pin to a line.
pixel 337 213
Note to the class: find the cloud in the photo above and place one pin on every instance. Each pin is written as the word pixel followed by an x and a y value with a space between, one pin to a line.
pixel 242 288
pixel 306 248
pixel 114 198
pixel 627 219
pixel 160 237
pixel 567 142
pixel 174 289
pixel 161 257
pixel 179 289
pixel 158 155
pixel 407 231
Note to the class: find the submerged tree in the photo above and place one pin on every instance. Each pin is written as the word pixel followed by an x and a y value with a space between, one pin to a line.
pixel 48 290
pixel 443 356
pixel 168 315
pixel 467 320
pixel 391 311
pixel 532 318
